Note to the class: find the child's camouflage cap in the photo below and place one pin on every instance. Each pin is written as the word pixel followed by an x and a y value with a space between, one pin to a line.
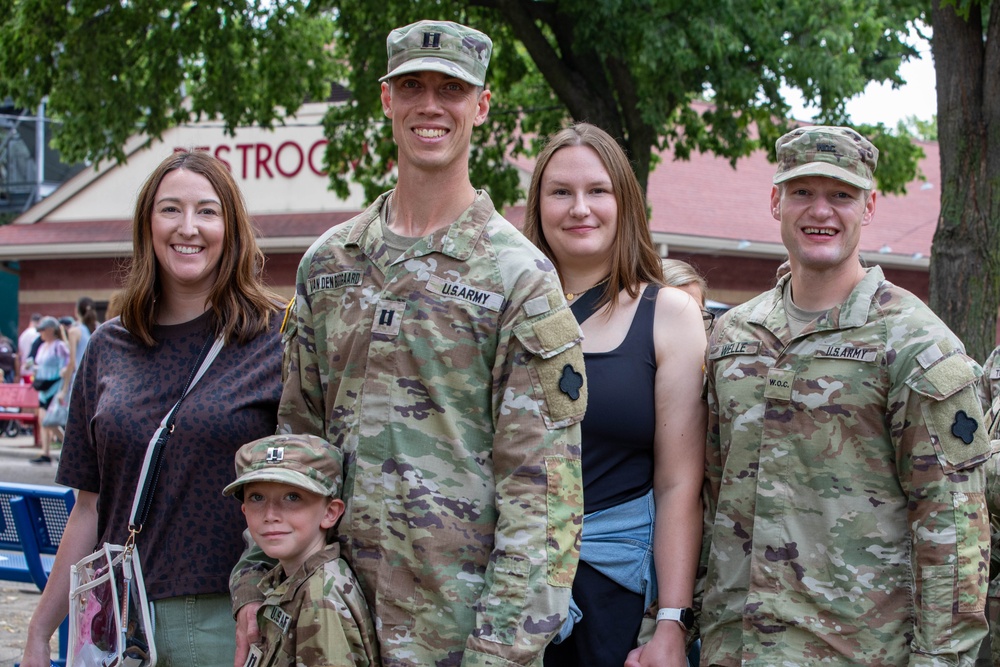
pixel 823 150
pixel 305 461
pixel 439 46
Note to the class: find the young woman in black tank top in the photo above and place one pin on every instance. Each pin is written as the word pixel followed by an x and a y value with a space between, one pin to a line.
pixel 644 432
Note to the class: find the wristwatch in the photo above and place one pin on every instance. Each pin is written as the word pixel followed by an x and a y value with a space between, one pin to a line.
pixel 684 616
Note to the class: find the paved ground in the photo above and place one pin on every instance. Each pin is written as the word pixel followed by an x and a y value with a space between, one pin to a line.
pixel 17 601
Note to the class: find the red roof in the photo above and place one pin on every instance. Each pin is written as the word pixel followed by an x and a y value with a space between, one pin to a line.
pixel 706 197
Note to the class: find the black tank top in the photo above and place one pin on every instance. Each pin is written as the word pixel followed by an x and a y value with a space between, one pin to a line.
pixel 620 422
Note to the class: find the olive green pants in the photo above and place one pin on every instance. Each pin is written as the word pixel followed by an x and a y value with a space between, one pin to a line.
pixel 194 631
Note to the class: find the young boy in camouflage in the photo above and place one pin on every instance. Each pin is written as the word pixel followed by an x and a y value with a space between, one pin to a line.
pixel 313 611
pixel 846 519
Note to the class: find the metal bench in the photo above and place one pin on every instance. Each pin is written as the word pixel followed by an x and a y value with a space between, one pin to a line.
pixel 21 397
pixel 32 521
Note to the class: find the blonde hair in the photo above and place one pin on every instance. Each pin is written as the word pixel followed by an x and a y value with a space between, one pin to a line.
pixel 677 273
pixel 634 259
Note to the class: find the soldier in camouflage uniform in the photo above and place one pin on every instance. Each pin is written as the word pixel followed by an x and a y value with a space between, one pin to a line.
pixel 313 611
pixel 989 393
pixel 431 342
pixel 846 520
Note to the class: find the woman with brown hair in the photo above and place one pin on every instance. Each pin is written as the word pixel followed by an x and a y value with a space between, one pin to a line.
pixel 644 431
pixel 196 275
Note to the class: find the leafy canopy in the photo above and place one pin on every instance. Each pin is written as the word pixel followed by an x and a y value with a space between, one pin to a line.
pixel 637 68
pixel 112 69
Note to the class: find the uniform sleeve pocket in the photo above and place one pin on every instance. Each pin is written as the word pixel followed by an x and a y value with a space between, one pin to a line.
pixel 937 594
pixel 503 605
pixel 556 367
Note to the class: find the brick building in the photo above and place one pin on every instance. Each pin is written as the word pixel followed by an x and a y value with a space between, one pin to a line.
pixel 77 241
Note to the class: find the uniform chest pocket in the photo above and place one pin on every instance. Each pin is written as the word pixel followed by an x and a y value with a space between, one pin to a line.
pixel 824 381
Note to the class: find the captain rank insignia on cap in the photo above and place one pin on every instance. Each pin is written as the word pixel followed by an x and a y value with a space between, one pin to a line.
pixel 432 40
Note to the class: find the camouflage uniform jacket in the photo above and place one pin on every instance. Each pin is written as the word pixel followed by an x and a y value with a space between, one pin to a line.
pixel 453 380
pixel 989 392
pixel 315 617
pixel 846 519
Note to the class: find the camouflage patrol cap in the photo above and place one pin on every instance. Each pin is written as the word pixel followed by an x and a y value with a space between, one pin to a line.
pixel 823 150
pixel 305 461
pixel 439 46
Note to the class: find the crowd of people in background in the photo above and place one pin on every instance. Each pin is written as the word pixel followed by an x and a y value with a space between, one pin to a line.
pixel 46 356
pixel 465 444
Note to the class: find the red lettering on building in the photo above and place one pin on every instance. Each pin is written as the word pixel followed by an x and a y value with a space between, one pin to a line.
pixel 243 148
pixel 312 164
pixel 289 158
pixel 262 162
pixel 277 159
pixel 218 154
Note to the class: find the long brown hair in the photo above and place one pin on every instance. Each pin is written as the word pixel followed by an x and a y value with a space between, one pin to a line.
pixel 86 314
pixel 634 259
pixel 240 303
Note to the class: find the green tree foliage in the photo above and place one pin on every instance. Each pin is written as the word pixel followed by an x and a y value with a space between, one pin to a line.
pixel 113 69
pixel 636 69
pixel 924 130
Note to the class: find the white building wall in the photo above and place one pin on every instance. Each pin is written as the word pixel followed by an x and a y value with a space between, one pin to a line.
pixel 278 171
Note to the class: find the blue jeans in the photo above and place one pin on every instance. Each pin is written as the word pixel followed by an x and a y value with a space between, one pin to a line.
pixel 618 543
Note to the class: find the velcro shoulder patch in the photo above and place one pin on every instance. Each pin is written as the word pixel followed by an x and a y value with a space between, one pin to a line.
pixel 945 377
pixel 550 334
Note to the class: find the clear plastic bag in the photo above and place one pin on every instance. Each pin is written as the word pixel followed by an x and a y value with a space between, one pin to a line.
pixel 110 623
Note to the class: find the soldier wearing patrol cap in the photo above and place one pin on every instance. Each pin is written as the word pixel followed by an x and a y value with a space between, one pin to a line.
pixel 431 343
pixel 846 520
pixel 313 611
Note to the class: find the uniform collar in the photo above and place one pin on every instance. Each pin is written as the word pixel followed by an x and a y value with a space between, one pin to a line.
pixel 278 588
pixel 457 240
pixel 853 312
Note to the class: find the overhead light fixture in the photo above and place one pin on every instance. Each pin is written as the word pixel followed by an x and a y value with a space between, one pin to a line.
pixel 743 245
